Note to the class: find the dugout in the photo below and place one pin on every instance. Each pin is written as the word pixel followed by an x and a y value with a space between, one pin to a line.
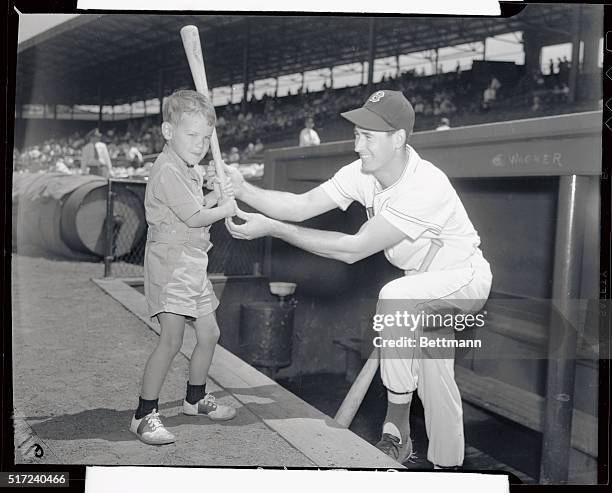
pixel 531 188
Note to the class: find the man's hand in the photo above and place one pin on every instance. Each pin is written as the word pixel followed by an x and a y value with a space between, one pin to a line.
pixel 255 226
pixel 233 174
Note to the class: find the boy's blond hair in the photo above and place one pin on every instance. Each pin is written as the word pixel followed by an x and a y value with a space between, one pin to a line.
pixel 188 102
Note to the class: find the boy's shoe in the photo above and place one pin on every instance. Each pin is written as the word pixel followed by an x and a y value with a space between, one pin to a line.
pixel 209 407
pixel 151 430
pixel 390 445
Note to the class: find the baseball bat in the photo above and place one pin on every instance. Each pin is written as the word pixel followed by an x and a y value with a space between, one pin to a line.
pixel 193 50
pixel 354 397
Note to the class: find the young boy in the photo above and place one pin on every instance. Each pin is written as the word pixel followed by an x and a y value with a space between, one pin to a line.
pixel 176 285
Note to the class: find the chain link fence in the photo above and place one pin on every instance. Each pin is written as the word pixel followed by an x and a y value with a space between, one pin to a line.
pixel 126 234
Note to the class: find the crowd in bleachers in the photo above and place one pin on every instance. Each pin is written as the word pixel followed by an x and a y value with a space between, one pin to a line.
pixel 242 129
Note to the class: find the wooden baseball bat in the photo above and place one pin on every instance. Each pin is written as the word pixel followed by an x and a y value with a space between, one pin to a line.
pixel 354 397
pixel 193 50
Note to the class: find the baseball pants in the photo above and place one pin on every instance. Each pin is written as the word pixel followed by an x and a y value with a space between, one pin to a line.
pixel 430 371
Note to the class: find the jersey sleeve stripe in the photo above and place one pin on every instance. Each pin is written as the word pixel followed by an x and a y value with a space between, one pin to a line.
pixel 434 227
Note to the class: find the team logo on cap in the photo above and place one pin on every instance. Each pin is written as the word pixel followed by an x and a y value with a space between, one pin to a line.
pixel 377 96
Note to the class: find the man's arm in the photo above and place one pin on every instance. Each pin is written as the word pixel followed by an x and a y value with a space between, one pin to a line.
pixel 374 236
pixel 284 206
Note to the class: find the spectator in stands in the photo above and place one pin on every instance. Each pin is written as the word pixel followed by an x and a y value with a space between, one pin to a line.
pixel 488 97
pixel 444 124
pixel 133 154
pixel 308 135
pixel 419 108
pixel 536 104
pixel 95 159
pixel 259 147
pixel 61 167
pixel 234 156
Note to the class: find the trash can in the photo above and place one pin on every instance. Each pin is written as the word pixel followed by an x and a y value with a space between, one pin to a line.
pixel 266 334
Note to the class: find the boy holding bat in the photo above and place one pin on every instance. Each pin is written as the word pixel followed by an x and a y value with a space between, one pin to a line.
pixel 176 284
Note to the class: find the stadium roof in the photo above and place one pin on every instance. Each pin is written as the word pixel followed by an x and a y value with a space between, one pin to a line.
pixel 116 59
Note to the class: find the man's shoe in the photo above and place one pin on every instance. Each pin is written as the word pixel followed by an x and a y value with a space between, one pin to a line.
pixel 390 445
pixel 150 429
pixel 209 407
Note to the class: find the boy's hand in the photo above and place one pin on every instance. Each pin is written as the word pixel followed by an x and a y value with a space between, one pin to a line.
pixel 228 207
pixel 233 174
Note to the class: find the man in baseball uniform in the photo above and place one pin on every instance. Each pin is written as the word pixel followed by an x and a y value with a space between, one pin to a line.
pixel 409 203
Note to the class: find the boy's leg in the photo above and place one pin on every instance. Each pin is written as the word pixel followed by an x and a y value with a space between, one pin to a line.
pixel 146 423
pixel 207 335
pixel 197 402
pixel 169 344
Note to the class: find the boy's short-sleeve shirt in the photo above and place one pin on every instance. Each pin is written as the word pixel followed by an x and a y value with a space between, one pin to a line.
pixel 422 204
pixel 174 191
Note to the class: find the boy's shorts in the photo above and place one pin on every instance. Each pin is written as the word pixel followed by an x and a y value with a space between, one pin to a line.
pixel 176 281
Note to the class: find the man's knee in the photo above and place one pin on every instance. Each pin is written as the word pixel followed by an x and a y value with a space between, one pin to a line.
pixel 402 288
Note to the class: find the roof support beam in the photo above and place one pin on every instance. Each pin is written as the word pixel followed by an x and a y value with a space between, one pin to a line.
pixel 371 52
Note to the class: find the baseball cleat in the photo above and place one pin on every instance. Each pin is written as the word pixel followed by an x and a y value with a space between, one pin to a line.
pixel 150 430
pixel 208 407
pixel 391 446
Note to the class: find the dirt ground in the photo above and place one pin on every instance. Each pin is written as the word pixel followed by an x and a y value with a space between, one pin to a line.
pixel 78 358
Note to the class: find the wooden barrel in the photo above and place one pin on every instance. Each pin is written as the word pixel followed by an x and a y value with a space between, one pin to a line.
pixel 65 216
pixel 82 225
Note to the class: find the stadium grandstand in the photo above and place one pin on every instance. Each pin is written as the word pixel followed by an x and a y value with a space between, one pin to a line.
pixel 112 71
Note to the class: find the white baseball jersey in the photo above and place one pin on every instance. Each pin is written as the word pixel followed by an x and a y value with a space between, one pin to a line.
pixel 422 204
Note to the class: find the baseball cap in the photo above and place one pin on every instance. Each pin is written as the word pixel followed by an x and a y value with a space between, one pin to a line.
pixel 382 112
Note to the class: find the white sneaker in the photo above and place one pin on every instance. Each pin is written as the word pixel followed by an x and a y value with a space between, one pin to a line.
pixel 209 407
pixel 151 430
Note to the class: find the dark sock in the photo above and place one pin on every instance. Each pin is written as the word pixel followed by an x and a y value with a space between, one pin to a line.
pixel 145 407
pixel 399 415
pixel 195 393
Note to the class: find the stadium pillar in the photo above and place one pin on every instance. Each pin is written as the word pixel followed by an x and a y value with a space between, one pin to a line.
pixel 564 326
pixel 99 103
pixel 532 47
pixel 275 88
pixel 245 65
pixel 371 52
pixel 575 66
pixel 72 112
pixel 484 49
pixel 160 88
pixel 436 56
pixel 144 103
pixel 331 77
pixel 592 27
pixel 55 111
pixel 397 66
